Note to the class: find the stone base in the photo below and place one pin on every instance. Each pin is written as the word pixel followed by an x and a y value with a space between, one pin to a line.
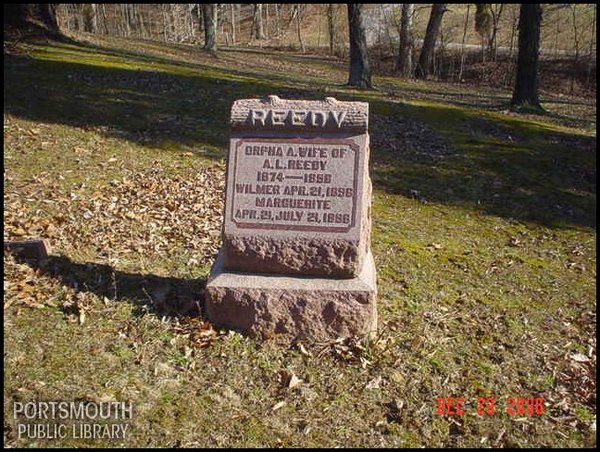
pixel 295 307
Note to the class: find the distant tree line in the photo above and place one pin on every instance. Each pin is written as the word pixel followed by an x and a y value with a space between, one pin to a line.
pixel 208 24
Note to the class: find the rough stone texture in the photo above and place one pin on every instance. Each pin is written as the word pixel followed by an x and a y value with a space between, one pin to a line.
pixel 29 249
pixel 322 254
pixel 293 307
pixel 296 258
pixel 356 114
pixel 316 257
pixel 293 249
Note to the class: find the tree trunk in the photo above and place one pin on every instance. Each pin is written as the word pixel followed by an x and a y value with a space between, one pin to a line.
pixel 125 19
pixel 200 18
pixel 257 22
pixel 556 31
pixel 319 34
pixel 576 38
pixel 406 41
pixel 360 73
pixel 427 51
pixel 210 26
pixel 165 17
pixel 103 19
pixel 20 14
pixel 525 93
pixel 298 28
pixel 514 23
pixel 331 26
pixel 462 47
pixel 87 16
pixel 483 24
pixel 47 13
pixel 493 46
pixel 232 23
pixel 191 26
pixel 176 22
pixel 592 41
pixel 95 17
pixel 266 20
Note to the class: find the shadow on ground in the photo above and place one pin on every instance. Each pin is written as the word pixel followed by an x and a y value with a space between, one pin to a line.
pixel 437 153
pixel 515 170
pixel 170 297
pixel 151 107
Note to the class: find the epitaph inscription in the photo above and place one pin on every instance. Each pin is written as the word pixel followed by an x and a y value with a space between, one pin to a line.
pixel 295 184
pixel 298 190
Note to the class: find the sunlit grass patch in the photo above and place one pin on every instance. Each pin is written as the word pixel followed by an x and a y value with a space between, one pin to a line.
pixel 483 236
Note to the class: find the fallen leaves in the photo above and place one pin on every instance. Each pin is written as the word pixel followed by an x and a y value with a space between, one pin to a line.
pixel 288 379
pixel 200 332
pixel 580 358
pixel 375 383
pixel 302 349
pixel 22 286
pixel 27 286
pixel 395 411
pixel 278 405
pixel 347 349
pixel 294 381
pixel 575 385
pixel 204 335
pixel 148 212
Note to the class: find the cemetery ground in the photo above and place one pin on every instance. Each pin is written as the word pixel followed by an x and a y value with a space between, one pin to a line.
pixel 484 237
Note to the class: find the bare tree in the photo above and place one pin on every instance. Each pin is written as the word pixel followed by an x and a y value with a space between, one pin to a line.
pixel 95 17
pixel 483 24
pixel 462 47
pixel 277 28
pixel 209 11
pixel 330 26
pixel 103 22
pixel 297 11
pixel 266 20
pixel 360 73
pixel 576 42
pixel 125 24
pixel 496 12
pixel 331 29
pixel 592 42
pixel 232 11
pixel 140 20
pixel 165 20
pixel 406 40
pixel 87 17
pixel 525 94
pixel 257 22
pixel 427 51
pixel 514 26
pixel 19 14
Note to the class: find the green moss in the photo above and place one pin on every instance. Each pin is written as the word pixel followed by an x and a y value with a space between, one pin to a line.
pixel 479 271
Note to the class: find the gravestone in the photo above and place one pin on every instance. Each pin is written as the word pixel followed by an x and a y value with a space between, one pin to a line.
pixel 28 249
pixel 296 257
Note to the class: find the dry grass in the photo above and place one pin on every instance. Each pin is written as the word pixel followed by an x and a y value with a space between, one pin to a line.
pixel 484 240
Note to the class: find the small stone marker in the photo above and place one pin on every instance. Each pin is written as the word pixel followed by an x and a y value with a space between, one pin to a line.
pixel 296 254
pixel 28 249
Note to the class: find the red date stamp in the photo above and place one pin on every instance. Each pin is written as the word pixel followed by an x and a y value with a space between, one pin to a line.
pixel 487 406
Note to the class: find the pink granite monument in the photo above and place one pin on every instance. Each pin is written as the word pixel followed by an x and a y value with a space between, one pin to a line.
pixel 296 257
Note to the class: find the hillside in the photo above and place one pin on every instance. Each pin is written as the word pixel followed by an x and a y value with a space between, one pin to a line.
pixel 484 237
pixel 568 40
